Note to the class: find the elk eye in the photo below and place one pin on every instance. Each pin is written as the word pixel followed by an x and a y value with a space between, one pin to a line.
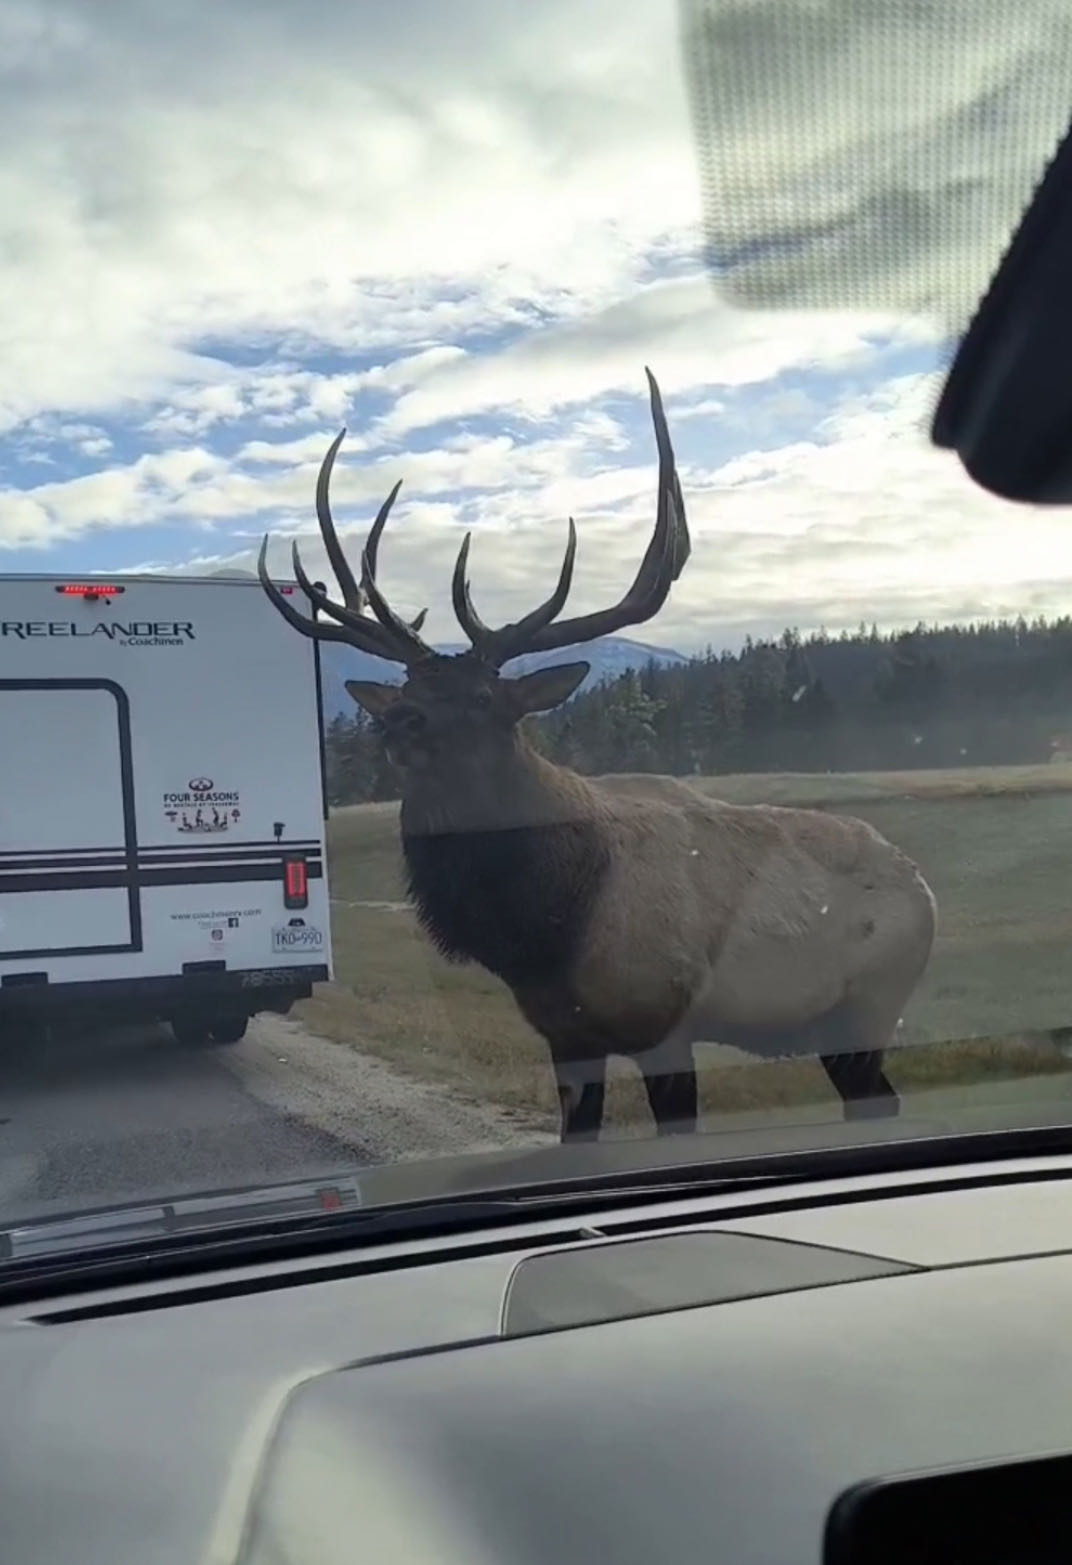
pixel 404 718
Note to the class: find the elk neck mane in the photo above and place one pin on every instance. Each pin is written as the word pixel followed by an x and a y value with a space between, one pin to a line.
pixel 504 864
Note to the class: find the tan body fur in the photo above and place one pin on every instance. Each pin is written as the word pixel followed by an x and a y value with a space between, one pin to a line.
pixel 715 922
pixel 721 917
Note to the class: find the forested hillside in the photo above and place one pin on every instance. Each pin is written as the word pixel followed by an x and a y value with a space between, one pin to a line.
pixel 962 695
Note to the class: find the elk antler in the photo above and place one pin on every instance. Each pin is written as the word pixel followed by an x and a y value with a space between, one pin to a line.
pixel 391 638
pixel 661 566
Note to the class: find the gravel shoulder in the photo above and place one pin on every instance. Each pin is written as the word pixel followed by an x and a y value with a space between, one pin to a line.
pixel 383 1114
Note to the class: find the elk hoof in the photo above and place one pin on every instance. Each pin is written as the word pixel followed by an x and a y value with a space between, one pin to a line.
pixel 873 1108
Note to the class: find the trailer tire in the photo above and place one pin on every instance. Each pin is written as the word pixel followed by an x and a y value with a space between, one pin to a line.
pixel 229 1029
pixel 192 1028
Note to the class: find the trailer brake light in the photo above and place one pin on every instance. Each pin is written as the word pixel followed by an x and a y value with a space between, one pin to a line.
pixel 90 589
pixel 295 883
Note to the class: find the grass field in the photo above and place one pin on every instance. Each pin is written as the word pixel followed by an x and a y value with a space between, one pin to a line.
pixel 995 845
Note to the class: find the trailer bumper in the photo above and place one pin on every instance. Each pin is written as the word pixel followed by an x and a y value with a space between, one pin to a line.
pixel 31 997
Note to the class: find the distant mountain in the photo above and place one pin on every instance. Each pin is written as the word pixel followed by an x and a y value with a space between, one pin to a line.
pixel 609 658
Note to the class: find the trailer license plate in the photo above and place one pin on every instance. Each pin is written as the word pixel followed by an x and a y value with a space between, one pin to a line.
pixel 297 937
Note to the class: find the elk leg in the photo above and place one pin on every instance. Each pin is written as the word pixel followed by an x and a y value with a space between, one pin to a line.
pixel 861 1084
pixel 672 1093
pixel 582 1088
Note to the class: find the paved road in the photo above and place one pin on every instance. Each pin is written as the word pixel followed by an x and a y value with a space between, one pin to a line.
pixel 131 1114
pixel 127 1114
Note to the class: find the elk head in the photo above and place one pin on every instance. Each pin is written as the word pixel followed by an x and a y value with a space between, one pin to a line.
pixel 460 707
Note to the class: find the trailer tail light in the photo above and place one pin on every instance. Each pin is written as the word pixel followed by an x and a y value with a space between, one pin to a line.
pixel 295 883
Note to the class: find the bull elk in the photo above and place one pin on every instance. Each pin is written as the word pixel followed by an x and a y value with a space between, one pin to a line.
pixel 629 916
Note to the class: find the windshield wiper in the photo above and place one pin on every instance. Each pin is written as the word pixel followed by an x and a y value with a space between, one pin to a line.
pixel 146 1221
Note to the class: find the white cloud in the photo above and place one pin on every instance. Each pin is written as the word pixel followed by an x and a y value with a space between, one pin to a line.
pixel 869 522
pixel 283 395
pixel 132 495
pixel 235 172
pixel 681 329
pixel 266 485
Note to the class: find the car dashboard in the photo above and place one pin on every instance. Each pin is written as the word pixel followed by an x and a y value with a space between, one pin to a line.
pixel 698 1379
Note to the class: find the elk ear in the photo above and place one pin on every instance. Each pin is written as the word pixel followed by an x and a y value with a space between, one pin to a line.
pixel 371 697
pixel 546 688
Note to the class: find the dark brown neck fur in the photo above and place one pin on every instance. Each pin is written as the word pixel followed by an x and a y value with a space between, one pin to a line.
pixel 504 861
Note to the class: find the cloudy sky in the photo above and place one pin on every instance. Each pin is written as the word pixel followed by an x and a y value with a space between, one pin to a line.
pixel 463 228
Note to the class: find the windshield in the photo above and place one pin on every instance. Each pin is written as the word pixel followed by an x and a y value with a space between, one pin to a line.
pixel 677 768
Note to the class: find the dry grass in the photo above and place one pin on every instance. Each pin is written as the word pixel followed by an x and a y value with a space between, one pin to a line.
pixel 841 790
pixel 995 844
